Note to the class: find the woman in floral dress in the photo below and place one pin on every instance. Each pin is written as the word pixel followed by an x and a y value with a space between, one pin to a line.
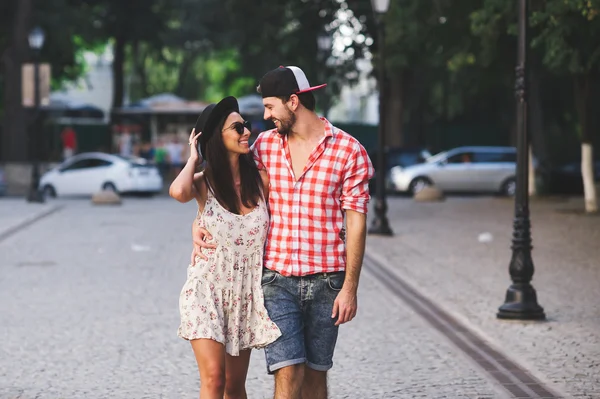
pixel 221 303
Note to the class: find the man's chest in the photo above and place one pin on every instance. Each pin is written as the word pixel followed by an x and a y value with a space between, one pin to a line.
pixel 304 171
pixel 299 155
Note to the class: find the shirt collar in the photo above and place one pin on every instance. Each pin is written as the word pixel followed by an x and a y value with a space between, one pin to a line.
pixel 328 127
pixel 328 131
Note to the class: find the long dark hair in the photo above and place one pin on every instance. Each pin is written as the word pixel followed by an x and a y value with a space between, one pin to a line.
pixel 219 175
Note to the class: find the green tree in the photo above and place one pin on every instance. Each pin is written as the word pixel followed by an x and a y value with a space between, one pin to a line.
pixel 433 69
pixel 62 49
pixel 212 48
pixel 127 23
pixel 568 32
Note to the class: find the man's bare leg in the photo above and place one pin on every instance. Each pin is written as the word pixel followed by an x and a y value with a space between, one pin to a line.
pixel 288 382
pixel 314 385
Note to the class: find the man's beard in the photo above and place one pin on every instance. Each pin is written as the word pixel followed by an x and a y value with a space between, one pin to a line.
pixel 287 124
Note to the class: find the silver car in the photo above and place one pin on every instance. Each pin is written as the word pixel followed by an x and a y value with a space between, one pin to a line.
pixel 463 169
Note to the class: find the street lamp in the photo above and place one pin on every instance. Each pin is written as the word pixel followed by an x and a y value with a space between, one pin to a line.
pixel 324 41
pixel 36 42
pixel 380 223
pixel 521 299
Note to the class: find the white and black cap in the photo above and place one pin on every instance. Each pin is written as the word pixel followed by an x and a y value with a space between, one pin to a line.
pixel 285 81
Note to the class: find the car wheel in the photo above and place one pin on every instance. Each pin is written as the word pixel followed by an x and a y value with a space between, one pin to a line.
pixel 109 187
pixel 48 191
pixel 509 187
pixel 419 184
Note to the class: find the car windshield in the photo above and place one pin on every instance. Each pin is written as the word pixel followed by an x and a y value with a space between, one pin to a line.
pixel 437 157
pixel 407 158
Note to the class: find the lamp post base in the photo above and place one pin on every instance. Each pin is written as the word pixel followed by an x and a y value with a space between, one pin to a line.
pixel 380 225
pixel 521 304
pixel 35 196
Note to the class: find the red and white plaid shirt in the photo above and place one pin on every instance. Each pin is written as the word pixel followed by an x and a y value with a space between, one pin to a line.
pixel 307 211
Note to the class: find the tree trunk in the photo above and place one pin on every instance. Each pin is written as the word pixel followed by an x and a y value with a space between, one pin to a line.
pixel 14 140
pixel 184 70
pixel 538 146
pixel 118 81
pixel 394 115
pixel 583 101
pixel 587 172
pixel 532 186
pixel 137 82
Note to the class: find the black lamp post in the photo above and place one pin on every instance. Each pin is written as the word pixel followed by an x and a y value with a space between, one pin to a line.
pixel 380 223
pixel 521 299
pixel 324 41
pixel 36 41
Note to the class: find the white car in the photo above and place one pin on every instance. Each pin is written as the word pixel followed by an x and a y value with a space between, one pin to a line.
pixel 88 173
pixel 463 169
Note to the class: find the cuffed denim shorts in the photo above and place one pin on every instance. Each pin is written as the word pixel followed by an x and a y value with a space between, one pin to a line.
pixel 301 307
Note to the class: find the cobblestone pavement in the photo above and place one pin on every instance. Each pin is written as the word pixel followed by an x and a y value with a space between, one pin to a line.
pixel 16 212
pixel 89 309
pixel 436 248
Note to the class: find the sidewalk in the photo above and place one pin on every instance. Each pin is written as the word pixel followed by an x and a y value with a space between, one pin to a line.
pixel 91 311
pixel 16 213
pixel 90 308
pixel 436 249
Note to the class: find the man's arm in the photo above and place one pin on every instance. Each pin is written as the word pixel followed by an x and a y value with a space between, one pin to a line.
pixel 346 303
pixel 356 236
pixel 199 237
pixel 355 199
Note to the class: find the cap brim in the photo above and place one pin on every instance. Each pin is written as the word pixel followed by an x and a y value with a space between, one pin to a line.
pixel 311 88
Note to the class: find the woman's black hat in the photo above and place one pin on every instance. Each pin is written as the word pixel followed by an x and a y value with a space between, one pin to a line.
pixel 210 118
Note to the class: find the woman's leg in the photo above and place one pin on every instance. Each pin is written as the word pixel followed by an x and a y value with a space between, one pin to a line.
pixel 210 356
pixel 236 371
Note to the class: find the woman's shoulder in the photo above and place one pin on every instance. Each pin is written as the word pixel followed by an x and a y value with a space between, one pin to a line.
pixel 201 188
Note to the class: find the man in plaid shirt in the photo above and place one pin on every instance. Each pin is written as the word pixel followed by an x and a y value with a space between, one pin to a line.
pixel 318 174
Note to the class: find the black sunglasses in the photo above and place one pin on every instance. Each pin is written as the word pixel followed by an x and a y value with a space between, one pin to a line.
pixel 240 126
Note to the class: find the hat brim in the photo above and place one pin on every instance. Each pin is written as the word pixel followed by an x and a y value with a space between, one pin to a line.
pixel 311 89
pixel 223 108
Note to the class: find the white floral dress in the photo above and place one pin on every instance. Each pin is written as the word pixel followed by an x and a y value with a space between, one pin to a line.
pixel 222 298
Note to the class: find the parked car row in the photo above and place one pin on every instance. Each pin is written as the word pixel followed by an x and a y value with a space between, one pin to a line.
pixel 473 169
pixel 408 170
pixel 463 169
pixel 88 173
pixel 402 157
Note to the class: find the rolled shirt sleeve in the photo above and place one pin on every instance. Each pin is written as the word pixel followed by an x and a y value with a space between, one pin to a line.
pixel 355 186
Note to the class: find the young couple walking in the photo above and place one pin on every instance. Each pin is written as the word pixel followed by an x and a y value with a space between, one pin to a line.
pixel 273 266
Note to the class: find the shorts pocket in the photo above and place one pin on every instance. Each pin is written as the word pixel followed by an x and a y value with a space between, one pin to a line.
pixel 336 281
pixel 268 277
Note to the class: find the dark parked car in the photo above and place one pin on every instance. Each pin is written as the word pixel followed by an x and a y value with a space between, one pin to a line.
pixel 567 178
pixel 2 183
pixel 397 156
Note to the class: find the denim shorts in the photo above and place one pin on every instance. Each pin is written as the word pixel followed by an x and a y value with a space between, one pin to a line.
pixel 301 307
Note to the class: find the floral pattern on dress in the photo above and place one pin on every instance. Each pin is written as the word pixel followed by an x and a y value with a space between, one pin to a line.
pixel 222 298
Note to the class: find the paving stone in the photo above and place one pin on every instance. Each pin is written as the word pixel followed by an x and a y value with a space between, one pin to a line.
pixel 436 249
pixel 89 309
